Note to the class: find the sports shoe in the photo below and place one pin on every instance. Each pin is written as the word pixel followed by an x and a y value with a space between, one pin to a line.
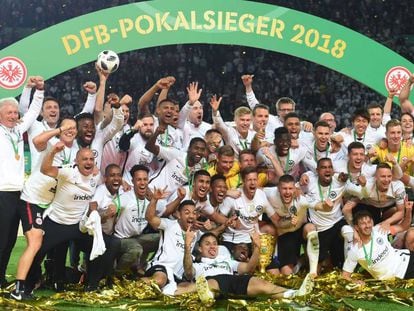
pixel 21 295
pixel 306 287
pixel 203 291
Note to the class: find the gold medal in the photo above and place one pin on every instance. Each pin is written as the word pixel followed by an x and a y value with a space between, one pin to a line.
pixel 17 156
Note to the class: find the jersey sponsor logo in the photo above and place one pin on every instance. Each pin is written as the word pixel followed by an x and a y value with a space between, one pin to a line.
pixel 84 197
pixel 381 255
pixel 249 218
pixel 179 179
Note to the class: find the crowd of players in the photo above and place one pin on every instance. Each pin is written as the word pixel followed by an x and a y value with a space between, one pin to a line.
pixel 199 195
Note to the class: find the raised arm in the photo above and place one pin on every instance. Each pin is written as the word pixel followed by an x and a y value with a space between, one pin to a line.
pixel 406 105
pixel 193 96
pixel 100 95
pixel 47 167
pixel 145 99
pixel 89 106
pixel 217 119
pixel 151 145
pixel 25 97
pixel 251 98
pixel 30 116
pixel 250 266
pixel 188 259
pixel 40 141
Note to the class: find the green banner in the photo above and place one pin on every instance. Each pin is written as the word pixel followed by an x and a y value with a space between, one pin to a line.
pixel 160 22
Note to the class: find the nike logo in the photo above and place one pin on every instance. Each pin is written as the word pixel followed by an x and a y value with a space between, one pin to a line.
pixel 16 296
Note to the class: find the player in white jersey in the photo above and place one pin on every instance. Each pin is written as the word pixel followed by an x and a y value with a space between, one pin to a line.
pixel 38 192
pixel 167 265
pixel 191 116
pixel 382 196
pixel 133 142
pixel 299 137
pixel 179 166
pixel 214 272
pixel 322 147
pixel 239 137
pixel 136 238
pixel 95 137
pixel 75 188
pixel 376 255
pixel 292 226
pixel 360 121
pixel 355 166
pixel 326 189
pixel 379 117
pixel 112 151
pixel 12 169
pixel 288 158
pixel 197 191
pixel 248 208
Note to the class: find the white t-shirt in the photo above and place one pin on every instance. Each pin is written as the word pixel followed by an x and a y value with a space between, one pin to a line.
pixel 215 266
pixel 324 220
pixel 174 174
pixel 297 207
pixel 367 170
pixel 203 207
pixel 369 194
pixel 73 194
pixel 170 251
pixel 387 262
pixel 294 158
pixel 131 220
pixel 248 212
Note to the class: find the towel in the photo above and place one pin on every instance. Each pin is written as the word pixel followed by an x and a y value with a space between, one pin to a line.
pixel 92 225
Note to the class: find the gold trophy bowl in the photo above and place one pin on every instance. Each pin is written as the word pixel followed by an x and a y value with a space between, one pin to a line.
pixel 267 248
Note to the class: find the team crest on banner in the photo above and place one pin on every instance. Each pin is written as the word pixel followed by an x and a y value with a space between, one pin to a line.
pixel 396 78
pixel 13 72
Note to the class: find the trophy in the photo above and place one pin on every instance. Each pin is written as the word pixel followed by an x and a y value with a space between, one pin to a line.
pixel 267 247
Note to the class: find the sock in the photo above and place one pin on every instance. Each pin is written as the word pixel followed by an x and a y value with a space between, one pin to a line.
pixel 312 249
pixel 290 293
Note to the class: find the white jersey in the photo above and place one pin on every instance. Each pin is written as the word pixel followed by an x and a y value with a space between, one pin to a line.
pixel 374 135
pixel 37 128
pixel 104 198
pixel 248 212
pixel 11 142
pixel 104 135
pixel 138 155
pixel 172 137
pixel 175 172
pixel 40 189
pixel 111 152
pixel 170 253
pixel 131 220
pixel 316 193
pixel 215 266
pixel 232 136
pixel 349 138
pixel 370 195
pixel 203 207
pixel 386 261
pixel 368 170
pixel 73 194
pixel 314 154
pixel 297 207
pixel 289 163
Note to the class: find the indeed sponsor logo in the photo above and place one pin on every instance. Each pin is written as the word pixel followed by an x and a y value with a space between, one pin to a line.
pixel 84 197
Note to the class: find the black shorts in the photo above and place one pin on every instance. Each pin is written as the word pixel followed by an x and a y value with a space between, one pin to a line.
pixel 160 268
pixel 409 274
pixel 288 247
pixel 31 216
pixel 232 284
pixel 331 243
pixel 376 212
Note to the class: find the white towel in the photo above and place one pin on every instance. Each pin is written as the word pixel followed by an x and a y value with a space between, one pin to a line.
pixel 92 225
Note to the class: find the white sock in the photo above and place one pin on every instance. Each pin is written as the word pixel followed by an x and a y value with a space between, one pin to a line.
pixel 290 293
pixel 312 249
